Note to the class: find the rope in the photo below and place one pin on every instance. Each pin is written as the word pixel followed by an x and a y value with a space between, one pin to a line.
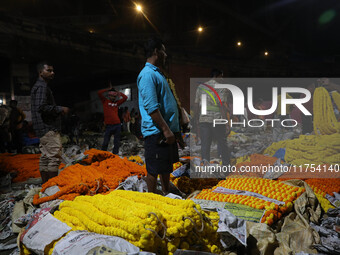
pixel 155 233
pixel 201 218
pixel 192 221
pixel 164 227
pixel 83 184
pixel 106 187
pixel 95 192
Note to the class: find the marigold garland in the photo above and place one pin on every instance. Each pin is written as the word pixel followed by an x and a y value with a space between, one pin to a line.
pixel 336 99
pixel 176 165
pixel 99 177
pixel 324 186
pixel 136 159
pixel 25 165
pixel 268 188
pixel 325 204
pixel 310 149
pixel 94 155
pixel 149 221
pixel 324 120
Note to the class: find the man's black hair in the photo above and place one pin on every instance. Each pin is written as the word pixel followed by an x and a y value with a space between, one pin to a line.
pixel 40 65
pixel 216 72
pixel 152 44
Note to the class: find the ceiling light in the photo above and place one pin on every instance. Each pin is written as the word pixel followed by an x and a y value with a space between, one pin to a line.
pixel 139 8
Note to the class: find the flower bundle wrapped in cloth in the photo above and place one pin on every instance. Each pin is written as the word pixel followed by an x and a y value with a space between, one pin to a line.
pixel 149 221
pixel 99 177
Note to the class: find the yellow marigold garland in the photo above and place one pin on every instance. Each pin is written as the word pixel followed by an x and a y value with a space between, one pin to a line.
pixel 324 121
pixel 149 221
pixel 309 149
pixel 336 99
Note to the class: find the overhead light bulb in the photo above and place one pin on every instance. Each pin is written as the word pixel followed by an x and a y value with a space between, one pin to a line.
pixel 139 8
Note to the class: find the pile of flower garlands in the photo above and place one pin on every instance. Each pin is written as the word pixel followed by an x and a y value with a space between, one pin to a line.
pixel 187 185
pixel 99 177
pixel 94 155
pixel 151 222
pixel 309 149
pixel 324 120
pixel 24 165
pixel 323 186
pixel 322 148
pixel 269 188
pixel 336 99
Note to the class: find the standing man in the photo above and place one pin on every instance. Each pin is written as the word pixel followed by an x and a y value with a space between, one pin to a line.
pixel 205 122
pixel 160 119
pixel 46 119
pixel 111 118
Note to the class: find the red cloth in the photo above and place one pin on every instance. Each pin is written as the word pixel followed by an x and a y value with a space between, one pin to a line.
pixel 111 108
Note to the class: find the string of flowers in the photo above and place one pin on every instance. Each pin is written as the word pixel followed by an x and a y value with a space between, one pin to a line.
pixel 94 155
pixel 99 177
pixel 336 99
pixel 324 186
pixel 268 188
pixel 309 149
pixel 151 222
pixel 136 159
pixel 324 120
pixel 24 165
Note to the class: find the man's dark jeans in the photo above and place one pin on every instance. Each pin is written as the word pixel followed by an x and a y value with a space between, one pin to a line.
pixel 109 131
pixel 218 133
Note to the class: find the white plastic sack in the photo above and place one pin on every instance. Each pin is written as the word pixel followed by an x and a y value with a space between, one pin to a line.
pixel 81 242
pixel 44 232
pixel 234 226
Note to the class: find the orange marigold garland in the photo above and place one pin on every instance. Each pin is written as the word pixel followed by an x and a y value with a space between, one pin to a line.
pixel 268 188
pixel 324 186
pixel 24 165
pixel 94 155
pixel 27 165
pixel 99 177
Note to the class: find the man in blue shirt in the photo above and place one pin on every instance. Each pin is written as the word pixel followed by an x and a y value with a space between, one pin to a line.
pixel 160 119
